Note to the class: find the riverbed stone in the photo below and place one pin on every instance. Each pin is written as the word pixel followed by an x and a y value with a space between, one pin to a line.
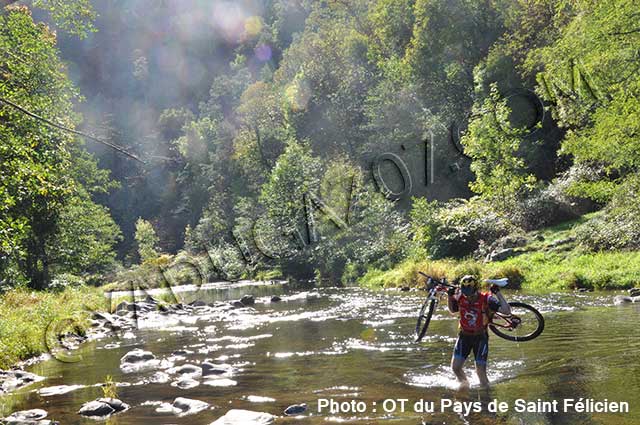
pixel 103 408
pixel 11 380
pixel 58 390
pixel 275 299
pixel 245 417
pixel 137 356
pixel 185 383
pixel 621 299
pixel 187 406
pixel 248 300
pixel 188 369
pixel 210 369
pixel 26 417
pixel 295 409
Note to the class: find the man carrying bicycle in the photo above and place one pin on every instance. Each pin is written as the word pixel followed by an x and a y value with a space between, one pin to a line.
pixel 475 309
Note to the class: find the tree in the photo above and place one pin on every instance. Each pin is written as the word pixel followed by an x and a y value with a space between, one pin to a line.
pixel 34 158
pixel 147 240
pixel 494 146
pixel 74 16
pixel 86 238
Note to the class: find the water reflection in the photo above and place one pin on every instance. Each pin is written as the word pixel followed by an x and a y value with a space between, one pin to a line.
pixel 346 344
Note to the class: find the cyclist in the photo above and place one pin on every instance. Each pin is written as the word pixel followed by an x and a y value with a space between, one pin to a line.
pixel 475 309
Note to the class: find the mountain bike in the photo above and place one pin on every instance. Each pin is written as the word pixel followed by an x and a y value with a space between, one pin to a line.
pixel 523 324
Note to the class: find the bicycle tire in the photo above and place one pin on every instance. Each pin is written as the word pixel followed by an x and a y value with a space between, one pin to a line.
pixel 423 320
pixel 521 338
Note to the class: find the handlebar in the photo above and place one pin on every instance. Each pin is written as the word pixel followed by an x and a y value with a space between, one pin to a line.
pixel 442 282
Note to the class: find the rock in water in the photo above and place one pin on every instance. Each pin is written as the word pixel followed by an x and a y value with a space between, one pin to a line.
pixel 209 369
pixel 102 408
pixel 186 406
pixel 275 299
pixel 137 356
pixel 296 409
pixel 621 299
pixel 245 417
pixel 188 369
pixel 12 380
pixel 248 300
pixel 25 417
pixel 96 409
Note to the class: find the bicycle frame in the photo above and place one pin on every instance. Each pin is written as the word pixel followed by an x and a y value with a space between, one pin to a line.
pixel 439 287
pixel 511 320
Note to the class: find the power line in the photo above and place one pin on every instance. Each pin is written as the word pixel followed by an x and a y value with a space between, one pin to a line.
pixel 70 130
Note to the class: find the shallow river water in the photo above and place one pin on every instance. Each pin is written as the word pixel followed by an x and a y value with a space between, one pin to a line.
pixel 354 344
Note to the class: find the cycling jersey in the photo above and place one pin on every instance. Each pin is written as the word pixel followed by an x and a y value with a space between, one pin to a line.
pixel 474 316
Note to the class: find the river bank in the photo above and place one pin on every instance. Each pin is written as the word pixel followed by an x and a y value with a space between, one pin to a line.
pixel 547 260
pixel 26 315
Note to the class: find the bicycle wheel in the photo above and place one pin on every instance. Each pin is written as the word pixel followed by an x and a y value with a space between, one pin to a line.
pixel 524 324
pixel 424 317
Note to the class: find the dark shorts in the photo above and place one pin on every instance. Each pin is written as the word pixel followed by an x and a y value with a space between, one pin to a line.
pixel 478 343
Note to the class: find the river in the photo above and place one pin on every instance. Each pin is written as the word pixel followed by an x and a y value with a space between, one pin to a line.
pixel 352 343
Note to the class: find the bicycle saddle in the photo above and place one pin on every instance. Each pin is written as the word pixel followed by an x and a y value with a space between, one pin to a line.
pixel 500 282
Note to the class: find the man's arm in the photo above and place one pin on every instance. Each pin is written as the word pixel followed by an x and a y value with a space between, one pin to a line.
pixel 504 308
pixel 452 301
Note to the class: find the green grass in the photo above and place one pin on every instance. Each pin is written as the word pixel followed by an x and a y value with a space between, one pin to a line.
pixel 25 317
pixel 600 270
pixel 552 260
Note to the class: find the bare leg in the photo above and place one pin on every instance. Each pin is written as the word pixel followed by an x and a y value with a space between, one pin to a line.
pixel 456 365
pixel 481 371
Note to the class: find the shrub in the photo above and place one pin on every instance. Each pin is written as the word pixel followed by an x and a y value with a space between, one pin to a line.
pixel 60 282
pixel 617 226
pixel 456 228
pixel 540 208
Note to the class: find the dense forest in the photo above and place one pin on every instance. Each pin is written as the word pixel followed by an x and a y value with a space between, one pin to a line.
pixel 309 139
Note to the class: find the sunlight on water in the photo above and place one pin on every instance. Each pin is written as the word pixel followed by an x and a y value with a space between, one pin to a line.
pixel 343 344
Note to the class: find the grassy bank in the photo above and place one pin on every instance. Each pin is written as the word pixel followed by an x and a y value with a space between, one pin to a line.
pixel 551 260
pixel 26 315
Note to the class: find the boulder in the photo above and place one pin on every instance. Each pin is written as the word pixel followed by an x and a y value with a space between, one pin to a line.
pixel 25 417
pixel 123 306
pixel 237 304
pixel 245 417
pixel 296 409
pixel 58 390
pixel 185 383
pixel 209 369
pixel 275 299
pixel 139 360
pixel 186 406
pixel 248 300
pixel 188 369
pixel 159 378
pixel 137 356
pixel 502 254
pixel 12 380
pixel 102 408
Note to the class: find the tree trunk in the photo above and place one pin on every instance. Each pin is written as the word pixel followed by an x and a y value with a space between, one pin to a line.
pixel 37 269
